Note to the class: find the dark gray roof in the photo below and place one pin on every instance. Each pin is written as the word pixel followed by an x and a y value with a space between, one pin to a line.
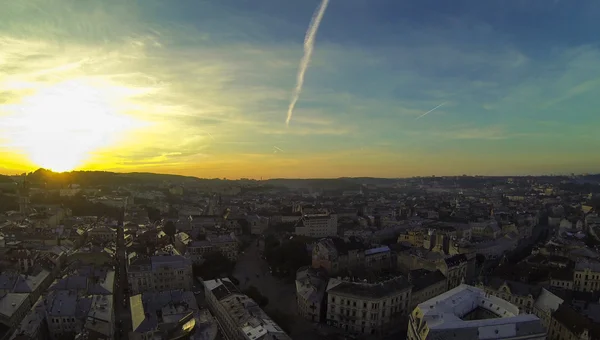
pixel 377 290
pixel 422 280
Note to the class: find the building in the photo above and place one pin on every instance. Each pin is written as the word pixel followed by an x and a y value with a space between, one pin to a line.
pixel 258 225
pixel 310 293
pixel 159 273
pixel 317 225
pixel 224 244
pixel 586 276
pixel 33 326
pixel 378 258
pixel 155 314
pixel 520 294
pixel 69 313
pixel 367 308
pixel 546 303
pixel 102 234
pixel 335 255
pixel 567 323
pixel 466 312
pixel 13 308
pixel 239 317
pixel 425 285
pixel 455 269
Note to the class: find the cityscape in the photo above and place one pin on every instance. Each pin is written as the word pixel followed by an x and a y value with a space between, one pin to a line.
pixel 299 170
pixel 100 255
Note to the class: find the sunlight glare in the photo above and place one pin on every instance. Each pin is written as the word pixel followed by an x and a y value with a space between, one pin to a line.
pixel 61 126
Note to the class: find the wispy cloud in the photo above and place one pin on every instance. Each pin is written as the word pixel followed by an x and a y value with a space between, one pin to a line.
pixel 309 43
pixel 428 112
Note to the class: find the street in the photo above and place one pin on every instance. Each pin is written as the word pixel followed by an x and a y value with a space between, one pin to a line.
pixel 122 314
pixel 281 295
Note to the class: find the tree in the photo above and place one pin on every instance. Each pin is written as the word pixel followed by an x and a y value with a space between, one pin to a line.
pixel 215 265
pixel 256 295
pixel 170 229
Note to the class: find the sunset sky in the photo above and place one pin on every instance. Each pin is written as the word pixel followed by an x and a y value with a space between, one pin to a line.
pixel 202 87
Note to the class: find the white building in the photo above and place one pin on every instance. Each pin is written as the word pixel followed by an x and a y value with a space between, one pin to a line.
pixel 466 312
pixel 317 225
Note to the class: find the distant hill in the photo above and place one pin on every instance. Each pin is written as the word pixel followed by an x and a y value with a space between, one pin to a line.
pixel 98 178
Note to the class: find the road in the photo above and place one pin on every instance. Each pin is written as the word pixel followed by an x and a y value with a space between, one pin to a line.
pixel 281 294
pixel 122 313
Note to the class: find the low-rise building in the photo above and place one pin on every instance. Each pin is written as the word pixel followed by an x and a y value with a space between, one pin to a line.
pixel 467 312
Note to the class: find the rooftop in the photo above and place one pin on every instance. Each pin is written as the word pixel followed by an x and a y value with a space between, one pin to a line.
pixel 444 313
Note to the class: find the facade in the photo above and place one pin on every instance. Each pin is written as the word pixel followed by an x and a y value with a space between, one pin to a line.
pixel 567 323
pixel 425 285
pixel 224 244
pixel 586 276
pixel 520 294
pixel 310 293
pixel 365 308
pixel 102 234
pixel 335 255
pixel 378 258
pixel 239 317
pixel 159 273
pixel 317 225
pixel 466 312
pixel 455 269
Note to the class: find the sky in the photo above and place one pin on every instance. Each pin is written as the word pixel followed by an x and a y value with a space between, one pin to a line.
pixel 202 87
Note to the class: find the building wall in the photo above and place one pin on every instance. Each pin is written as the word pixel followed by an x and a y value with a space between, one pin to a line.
pixel 586 280
pixel 365 315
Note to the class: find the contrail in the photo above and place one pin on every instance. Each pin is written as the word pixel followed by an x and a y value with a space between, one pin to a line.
pixel 278 149
pixel 309 44
pixel 428 112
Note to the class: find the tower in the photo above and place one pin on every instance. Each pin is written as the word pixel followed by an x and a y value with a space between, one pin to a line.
pixel 24 197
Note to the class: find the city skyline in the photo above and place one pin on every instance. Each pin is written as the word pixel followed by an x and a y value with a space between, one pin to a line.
pixel 393 89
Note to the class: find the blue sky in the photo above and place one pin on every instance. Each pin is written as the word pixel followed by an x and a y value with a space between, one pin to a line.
pixel 209 83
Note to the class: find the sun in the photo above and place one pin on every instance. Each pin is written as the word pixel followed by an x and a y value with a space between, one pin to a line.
pixel 61 126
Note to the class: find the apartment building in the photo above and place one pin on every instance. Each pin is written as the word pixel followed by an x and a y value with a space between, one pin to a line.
pixel 425 285
pixel 102 234
pixel 69 314
pixel 317 225
pixel 520 294
pixel 159 273
pixel 455 269
pixel 224 244
pixel 586 276
pixel 335 254
pixel 239 317
pixel 310 293
pixel 467 312
pixel 367 308
pixel 567 323
pixel 154 312
pixel 378 258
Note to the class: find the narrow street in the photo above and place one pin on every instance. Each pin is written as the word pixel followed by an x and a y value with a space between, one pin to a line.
pixel 122 314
